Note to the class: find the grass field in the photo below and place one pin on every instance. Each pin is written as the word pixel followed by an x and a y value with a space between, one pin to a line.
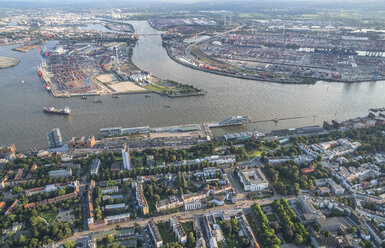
pixel 167 235
pixel 156 88
pixel 255 153
pixel 49 216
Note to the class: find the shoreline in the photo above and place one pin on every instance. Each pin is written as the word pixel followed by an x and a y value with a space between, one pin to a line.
pixel 6 62
pixel 264 79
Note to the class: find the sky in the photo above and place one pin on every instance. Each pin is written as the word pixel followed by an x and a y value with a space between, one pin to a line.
pixel 217 3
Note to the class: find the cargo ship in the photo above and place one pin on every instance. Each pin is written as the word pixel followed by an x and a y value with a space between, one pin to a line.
pixel 52 110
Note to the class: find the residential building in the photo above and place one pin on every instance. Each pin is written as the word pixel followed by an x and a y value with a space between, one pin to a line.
pixel 194 205
pixel 7 151
pixel 178 230
pixel 115 207
pixel 335 188
pixel 95 166
pixel 218 200
pixel 60 173
pixel 126 158
pixel 110 190
pixel 54 138
pixel 332 225
pixel 253 179
pixel 117 218
pixel 142 202
pixel 155 234
pixel 82 142
pixel 169 203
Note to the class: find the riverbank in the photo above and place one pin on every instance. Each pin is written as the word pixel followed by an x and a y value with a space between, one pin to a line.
pixel 26 47
pixel 301 80
pixel 304 81
pixel 8 62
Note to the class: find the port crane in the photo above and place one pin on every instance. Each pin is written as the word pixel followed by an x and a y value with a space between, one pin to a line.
pixel 43 52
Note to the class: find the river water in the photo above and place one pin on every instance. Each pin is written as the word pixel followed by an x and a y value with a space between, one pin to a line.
pixel 23 122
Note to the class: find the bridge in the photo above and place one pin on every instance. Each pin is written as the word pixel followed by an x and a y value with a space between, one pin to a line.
pixel 147 34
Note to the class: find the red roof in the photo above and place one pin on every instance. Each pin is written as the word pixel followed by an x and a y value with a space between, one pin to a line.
pixel 307 170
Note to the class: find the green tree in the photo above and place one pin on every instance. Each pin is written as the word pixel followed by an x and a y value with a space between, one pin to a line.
pixel 69 244
pixel 109 239
pixel 298 239
pixel 191 239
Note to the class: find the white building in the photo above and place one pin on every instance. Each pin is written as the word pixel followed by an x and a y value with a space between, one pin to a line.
pixel 336 188
pixel 117 218
pixel 194 205
pixel 54 138
pixel 126 158
pixel 60 173
pixel 253 179
pixel 95 166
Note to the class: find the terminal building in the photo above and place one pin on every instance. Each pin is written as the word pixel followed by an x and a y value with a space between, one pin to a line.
pixel 253 179
pixel 119 131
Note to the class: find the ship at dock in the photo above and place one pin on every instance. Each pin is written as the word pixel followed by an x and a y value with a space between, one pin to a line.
pixel 53 110
pixel 232 121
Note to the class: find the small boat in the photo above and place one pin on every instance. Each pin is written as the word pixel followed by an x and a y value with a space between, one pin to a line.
pixel 147 96
pixel 115 96
pixel 84 97
pixel 167 106
pixel 97 101
pixel 22 81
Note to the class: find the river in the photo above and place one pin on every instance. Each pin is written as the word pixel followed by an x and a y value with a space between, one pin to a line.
pixel 23 122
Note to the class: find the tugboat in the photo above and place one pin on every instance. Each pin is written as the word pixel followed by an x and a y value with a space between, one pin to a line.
pixel 52 110
pixel 84 97
pixel 115 96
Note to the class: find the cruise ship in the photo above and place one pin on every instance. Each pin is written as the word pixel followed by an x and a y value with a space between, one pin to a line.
pixel 231 121
pixel 52 110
